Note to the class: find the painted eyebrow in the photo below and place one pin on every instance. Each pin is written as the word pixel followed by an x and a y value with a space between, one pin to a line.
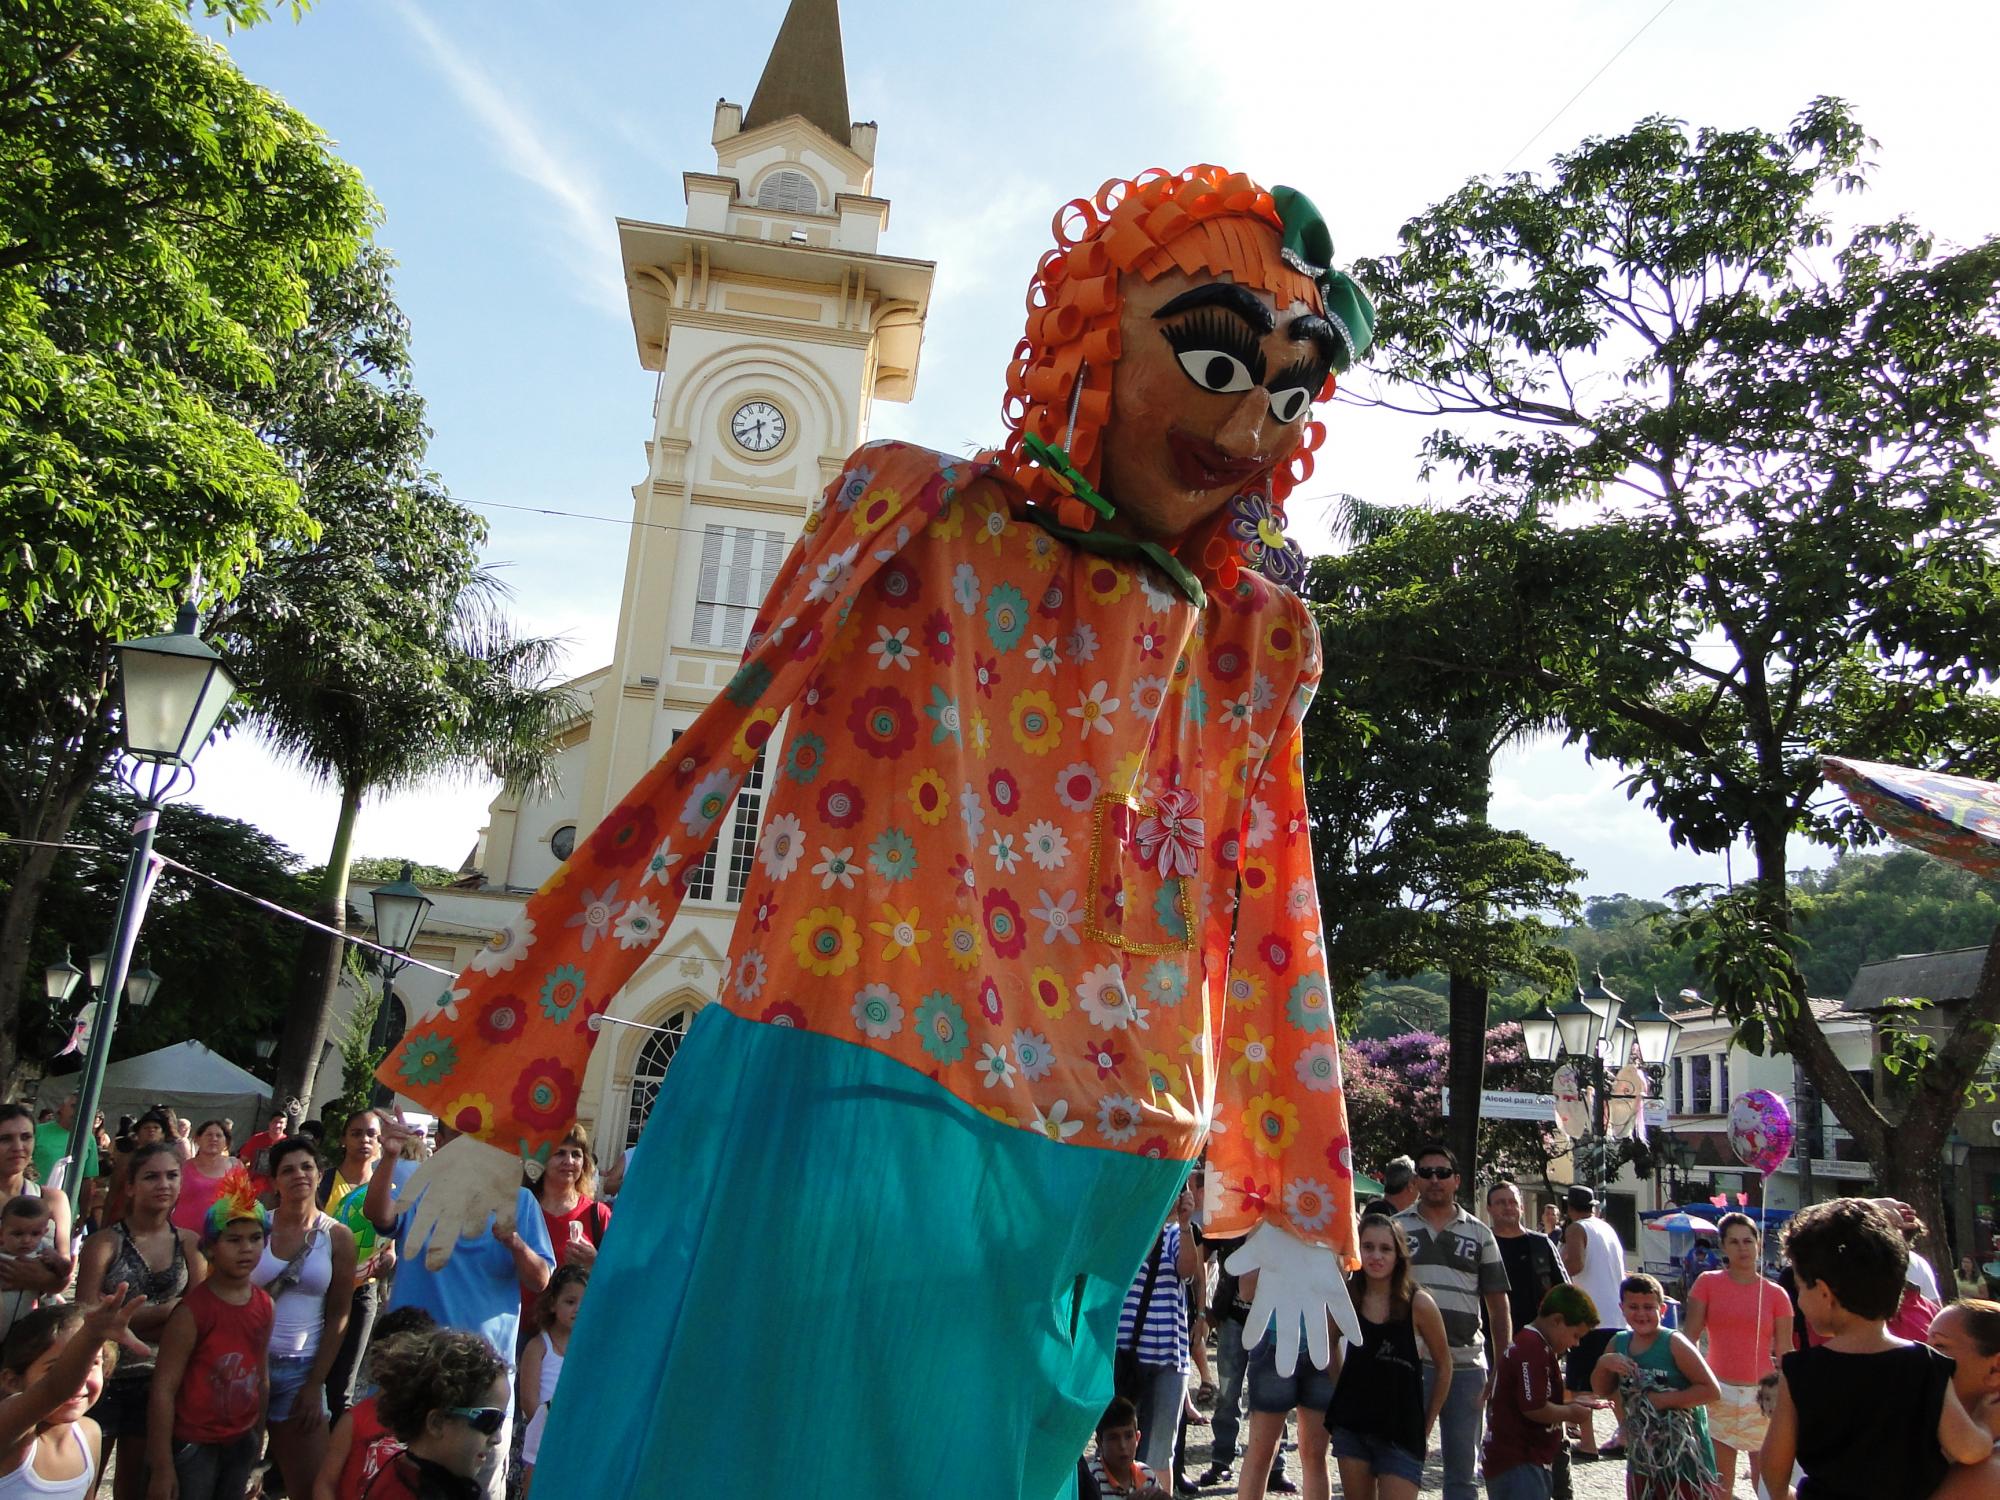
pixel 1320 331
pixel 1228 296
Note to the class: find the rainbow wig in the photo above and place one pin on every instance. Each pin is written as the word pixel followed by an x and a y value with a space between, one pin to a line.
pixel 236 1202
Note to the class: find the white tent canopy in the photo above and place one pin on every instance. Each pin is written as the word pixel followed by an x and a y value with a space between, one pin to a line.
pixel 198 1083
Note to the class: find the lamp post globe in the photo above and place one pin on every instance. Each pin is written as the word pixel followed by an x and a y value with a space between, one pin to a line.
pixel 1658 1033
pixel 1600 998
pixel 140 987
pixel 400 909
pixel 59 980
pixel 172 691
pixel 1541 1036
pixel 1579 1025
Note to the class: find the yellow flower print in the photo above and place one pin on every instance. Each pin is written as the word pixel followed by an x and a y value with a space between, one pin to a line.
pixel 995 1112
pixel 930 797
pixel 982 734
pixel 990 523
pixel 962 942
pixel 1041 550
pixel 1253 1055
pixel 826 941
pixel 905 937
pixel 875 511
pixel 1050 993
pixel 1238 766
pixel 948 525
pixel 1194 1042
pixel 757 727
pixel 1272 1122
pixel 1105 581
pixel 468 1113
pixel 1033 719
pixel 1159 1071
pixel 1246 992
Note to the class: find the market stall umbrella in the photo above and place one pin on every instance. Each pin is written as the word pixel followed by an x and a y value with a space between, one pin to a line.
pixel 1683 1223
pixel 1953 817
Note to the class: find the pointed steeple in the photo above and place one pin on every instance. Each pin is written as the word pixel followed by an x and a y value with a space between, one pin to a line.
pixel 805 74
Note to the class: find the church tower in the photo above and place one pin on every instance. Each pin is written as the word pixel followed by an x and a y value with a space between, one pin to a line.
pixel 773 323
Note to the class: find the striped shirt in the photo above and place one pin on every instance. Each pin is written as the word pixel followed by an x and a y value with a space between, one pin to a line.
pixel 1164 1340
pixel 1457 1265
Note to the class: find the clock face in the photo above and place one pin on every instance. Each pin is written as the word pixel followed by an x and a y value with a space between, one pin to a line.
pixel 758 426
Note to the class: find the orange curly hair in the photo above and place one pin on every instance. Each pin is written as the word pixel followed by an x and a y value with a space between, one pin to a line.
pixel 1201 219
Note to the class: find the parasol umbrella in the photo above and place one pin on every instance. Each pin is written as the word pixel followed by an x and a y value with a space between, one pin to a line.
pixel 1683 1223
pixel 1953 817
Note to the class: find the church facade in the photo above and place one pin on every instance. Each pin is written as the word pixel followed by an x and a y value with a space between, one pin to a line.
pixel 773 323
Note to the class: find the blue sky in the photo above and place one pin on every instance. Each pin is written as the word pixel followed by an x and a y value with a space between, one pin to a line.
pixel 503 137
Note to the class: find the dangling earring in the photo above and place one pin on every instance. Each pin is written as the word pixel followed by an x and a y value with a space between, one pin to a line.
pixel 1255 538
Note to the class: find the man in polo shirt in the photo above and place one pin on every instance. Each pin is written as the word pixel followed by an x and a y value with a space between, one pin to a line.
pixel 1457 1260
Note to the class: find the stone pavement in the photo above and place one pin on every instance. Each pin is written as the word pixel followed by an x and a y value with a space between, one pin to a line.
pixel 1603 1480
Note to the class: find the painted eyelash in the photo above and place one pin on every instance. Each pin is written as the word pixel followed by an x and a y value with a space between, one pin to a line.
pixel 1212 330
pixel 1309 373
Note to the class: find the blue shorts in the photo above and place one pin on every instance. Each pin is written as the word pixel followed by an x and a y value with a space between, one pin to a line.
pixel 1307 1386
pixel 1381 1455
pixel 288 1376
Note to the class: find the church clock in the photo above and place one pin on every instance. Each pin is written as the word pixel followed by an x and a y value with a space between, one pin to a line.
pixel 758 426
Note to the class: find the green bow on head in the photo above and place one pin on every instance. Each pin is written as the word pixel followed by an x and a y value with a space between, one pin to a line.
pixel 1308 244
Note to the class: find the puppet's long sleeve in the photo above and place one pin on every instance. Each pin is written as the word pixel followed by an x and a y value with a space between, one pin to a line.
pixel 1280 1149
pixel 504 1058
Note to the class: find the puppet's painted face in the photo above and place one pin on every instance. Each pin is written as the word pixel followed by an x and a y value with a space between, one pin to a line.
pixel 1213 388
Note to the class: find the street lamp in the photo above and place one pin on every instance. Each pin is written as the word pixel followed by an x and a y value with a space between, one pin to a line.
pixel 1540 1034
pixel 400 909
pixel 1589 1028
pixel 172 690
pixel 59 981
pixel 140 986
pixel 1658 1033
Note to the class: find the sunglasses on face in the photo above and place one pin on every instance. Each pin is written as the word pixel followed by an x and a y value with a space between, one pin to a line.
pixel 1436 1174
pixel 484 1420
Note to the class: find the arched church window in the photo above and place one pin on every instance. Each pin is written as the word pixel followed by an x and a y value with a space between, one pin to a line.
pixel 788 192
pixel 562 843
pixel 651 1072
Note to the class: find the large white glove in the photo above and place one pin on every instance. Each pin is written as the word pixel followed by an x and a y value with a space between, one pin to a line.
pixel 460 1186
pixel 1295 1282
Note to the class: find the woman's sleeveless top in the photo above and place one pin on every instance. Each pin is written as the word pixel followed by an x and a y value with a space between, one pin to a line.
pixel 24 1482
pixel 129 1266
pixel 298 1288
pixel 1381 1389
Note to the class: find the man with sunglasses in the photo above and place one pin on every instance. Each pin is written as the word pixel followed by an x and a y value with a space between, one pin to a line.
pixel 1456 1259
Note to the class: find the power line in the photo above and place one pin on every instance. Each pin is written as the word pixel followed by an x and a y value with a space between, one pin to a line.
pixel 1587 83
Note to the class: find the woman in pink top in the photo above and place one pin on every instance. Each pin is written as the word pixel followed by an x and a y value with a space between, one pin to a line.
pixel 1748 1320
pixel 201 1178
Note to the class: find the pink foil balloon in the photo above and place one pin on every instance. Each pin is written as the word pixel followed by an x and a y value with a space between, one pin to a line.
pixel 1760 1130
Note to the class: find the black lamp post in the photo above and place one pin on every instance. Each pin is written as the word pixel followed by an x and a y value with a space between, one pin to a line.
pixel 172 691
pixel 1590 1028
pixel 400 909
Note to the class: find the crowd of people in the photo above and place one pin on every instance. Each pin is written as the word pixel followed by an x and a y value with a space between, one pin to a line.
pixel 1509 1354
pixel 207 1322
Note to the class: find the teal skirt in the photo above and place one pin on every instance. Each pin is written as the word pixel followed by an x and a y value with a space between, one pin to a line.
pixel 829 1277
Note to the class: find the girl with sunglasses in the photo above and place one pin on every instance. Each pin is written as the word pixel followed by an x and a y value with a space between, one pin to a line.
pixel 444 1394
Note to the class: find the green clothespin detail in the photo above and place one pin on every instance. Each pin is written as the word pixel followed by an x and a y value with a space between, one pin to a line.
pixel 1056 461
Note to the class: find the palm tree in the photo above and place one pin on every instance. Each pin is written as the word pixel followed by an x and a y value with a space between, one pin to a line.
pixel 382 705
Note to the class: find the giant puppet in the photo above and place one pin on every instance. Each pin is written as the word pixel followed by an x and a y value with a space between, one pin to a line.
pixel 1035 922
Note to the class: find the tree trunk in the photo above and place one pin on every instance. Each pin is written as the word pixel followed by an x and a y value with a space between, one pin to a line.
pixel 24 907
pixel 1465 1065
pixel 316 977
pixel 1465 1068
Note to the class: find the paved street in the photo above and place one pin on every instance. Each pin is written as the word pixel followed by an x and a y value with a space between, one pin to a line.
pixel 1603 1480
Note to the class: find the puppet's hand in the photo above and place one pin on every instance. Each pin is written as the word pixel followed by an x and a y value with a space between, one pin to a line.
pixel 1295 1282
pixel 456 1191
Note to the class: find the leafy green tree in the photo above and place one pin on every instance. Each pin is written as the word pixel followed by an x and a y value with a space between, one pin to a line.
pixel 1744 468
pixel 1399 759
pixel 380 869
pixel 161 221
pixel 222 961
pixel 375 655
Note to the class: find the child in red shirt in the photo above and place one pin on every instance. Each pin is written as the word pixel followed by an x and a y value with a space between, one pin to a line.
pixel 361 1444
pixel 1521 1425
pixel 212 1380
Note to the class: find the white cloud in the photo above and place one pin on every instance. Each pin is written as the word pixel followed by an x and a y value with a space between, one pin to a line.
pixel 524 145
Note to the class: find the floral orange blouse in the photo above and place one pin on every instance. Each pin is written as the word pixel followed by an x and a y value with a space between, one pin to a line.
pixel 1038 831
